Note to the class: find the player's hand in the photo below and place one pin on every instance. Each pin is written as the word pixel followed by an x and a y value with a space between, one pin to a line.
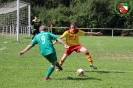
pixel 66 46
pixel 99 33
pixel 20 53
pixel 55 42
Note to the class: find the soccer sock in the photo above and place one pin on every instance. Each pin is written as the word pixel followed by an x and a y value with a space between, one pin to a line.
pixel 50 70
pixel 57 64
pixel 61 62
pixel 89 58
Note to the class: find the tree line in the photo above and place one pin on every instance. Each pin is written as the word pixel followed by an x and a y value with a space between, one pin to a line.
pixel 86 13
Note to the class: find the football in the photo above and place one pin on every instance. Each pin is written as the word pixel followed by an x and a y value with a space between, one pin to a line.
pixel 80 71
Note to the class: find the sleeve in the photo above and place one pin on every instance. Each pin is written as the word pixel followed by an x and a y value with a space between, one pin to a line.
pixel 54 37
pixel 34 41
pixel 81 32
pixel 32 22
pixel 64 34
pixel 40 21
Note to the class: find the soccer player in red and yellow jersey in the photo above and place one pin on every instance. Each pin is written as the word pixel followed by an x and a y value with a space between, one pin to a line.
pixel 72 40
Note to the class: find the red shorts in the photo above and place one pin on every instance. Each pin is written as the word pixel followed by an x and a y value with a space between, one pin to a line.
pixel 73 48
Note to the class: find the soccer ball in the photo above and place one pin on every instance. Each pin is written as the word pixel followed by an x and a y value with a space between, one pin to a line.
pixel 80 71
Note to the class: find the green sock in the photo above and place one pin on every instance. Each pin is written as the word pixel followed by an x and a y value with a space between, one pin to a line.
pixel 57 64
pixel 50 70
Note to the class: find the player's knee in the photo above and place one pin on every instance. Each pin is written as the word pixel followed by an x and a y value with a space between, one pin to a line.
pixel 84 50
pixel 54 64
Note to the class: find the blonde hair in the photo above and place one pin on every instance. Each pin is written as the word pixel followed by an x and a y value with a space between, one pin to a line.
pixel 42 28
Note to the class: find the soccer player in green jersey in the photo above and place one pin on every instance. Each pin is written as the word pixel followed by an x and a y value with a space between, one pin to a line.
pixel 44 40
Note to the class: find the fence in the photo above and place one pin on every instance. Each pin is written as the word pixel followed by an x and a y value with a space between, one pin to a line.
pixel 12 30
pixel 91 29
pixel 9 30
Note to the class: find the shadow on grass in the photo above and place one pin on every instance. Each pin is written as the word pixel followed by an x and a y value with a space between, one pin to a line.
pixel 79 78
pixel 107 71
pixel 102 71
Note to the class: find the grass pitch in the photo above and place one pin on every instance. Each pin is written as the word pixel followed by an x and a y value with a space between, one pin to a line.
pixel 112 56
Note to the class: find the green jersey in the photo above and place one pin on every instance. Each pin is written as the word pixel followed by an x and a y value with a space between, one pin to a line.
pixel 44 40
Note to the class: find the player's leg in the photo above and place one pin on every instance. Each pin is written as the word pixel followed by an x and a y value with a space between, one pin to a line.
pixel 31 31
pixel 49 72
pixel 53 60
pixel 84 50
pixel 63 59
pixel 50 69
pixel 37 31
pixel 34 33
pixel 66 54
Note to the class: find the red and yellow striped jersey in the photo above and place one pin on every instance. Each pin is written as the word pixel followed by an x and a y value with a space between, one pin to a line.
pixel 72 39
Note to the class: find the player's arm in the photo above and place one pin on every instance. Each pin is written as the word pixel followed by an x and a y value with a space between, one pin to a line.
pixel 61 41
pixel 33 42
pixel 55 42
pixel 93 33
pixel 31 26
pixel 62 36
pixel 26 49
pixel 32 23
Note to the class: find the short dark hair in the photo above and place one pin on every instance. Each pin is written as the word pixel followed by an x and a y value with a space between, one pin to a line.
pixel 36 16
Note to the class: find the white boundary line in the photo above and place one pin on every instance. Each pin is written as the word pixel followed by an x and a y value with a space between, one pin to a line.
pixel 99 45
pixel 2 48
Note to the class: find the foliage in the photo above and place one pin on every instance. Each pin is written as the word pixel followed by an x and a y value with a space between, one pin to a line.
pixel 87 13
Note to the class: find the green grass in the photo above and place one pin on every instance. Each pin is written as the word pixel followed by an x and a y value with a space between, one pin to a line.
pixel 112 56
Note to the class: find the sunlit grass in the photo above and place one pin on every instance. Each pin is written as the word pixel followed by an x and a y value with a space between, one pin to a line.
pixel 112 56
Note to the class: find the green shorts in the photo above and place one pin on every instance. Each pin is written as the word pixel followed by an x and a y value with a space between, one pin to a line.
pixel 51 57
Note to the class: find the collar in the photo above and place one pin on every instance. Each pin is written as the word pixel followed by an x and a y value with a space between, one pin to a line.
pixel 76 31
